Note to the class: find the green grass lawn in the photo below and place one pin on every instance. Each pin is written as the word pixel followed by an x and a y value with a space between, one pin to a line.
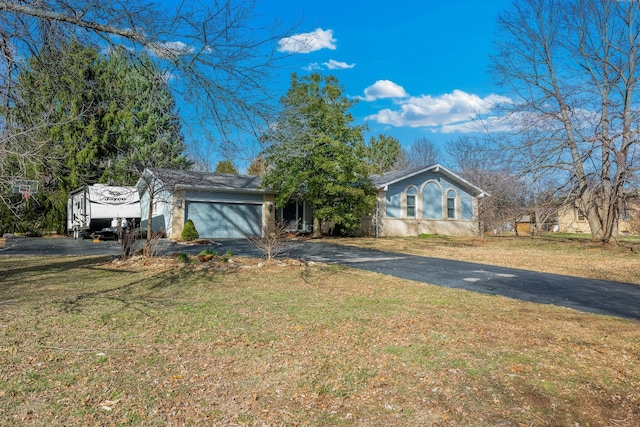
pixel 89 342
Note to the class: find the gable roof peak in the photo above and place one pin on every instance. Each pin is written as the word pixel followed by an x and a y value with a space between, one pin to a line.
pixel 382 181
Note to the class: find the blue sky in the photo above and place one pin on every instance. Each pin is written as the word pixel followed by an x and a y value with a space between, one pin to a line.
pixel 419 68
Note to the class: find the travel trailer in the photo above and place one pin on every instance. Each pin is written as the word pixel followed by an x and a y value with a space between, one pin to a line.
pixel 93 208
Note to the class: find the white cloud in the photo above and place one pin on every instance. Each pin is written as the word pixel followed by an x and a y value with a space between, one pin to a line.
pixel 308 42
pixel 314 66
pixel 450 112
pixel 167 76
pixel 170 49
pixel 384 89
pixel 481 124
pixel 337 65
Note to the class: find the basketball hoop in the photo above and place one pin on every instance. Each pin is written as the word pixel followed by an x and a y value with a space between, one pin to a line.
pixel 25 187
pixel 26 193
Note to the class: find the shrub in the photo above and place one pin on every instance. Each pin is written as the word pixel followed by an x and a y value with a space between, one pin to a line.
pixel 272 243
pixel 183 257
pixel 189 231
pixel 208 252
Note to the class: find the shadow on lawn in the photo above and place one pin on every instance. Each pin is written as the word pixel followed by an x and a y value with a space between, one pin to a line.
pixel 137 295
pixel 25 277
pixel 14 270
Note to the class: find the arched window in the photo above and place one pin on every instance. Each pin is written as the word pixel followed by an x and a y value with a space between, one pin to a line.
pixel 432 201
pixel 411 202
pixel 451 204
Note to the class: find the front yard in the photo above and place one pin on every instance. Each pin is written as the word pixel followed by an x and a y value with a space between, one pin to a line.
pixel 85 341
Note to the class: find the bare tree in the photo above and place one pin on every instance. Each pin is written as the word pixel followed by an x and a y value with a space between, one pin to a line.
pixel 483 162
pixel 421 153
pixel 572 66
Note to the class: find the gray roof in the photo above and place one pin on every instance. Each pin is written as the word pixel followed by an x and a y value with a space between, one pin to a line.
pixel 393 176
pixel 193 179
pixel 388 178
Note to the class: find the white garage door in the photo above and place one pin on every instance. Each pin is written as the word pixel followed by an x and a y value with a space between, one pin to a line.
pixel 215 220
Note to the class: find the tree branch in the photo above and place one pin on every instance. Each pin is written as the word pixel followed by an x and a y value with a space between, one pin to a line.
pixel 75 20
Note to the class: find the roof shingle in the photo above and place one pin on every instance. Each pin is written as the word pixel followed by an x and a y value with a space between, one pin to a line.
pixel 173 177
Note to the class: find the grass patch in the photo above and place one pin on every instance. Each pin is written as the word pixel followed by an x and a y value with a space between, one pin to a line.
pixel 89 342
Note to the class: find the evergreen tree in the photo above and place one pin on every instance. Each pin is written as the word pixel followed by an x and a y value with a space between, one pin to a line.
pixel 226 166
pixel 142 117
pixel 312 154
pixel 382 153
pixel 96 118
pixel 256 168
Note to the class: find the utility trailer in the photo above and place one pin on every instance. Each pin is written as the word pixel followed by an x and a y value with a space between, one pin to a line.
pixel 97 210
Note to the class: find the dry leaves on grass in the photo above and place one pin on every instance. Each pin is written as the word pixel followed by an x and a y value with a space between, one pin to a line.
pixel 195 264
pixel 303 345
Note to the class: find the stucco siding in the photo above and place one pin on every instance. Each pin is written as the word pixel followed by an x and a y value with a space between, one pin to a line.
pixel 432 201
pixel 434 211
pixel 414 227
pixel 393 205
pixel 177 219
pixel 467 207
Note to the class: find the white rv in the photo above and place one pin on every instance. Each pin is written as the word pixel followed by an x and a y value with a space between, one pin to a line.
pixel 95 207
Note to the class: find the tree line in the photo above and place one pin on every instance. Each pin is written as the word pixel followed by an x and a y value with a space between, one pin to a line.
pixel 78 117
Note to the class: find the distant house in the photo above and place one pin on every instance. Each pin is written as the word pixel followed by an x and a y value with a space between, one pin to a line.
pixel 220 205
pixel 573 220
pixel 428 200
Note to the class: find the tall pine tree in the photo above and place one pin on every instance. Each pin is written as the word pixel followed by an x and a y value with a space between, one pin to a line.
pixel 311 154
pixel 96 118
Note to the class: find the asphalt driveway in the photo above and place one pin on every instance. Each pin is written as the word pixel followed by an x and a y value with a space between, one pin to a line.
pixel 588 295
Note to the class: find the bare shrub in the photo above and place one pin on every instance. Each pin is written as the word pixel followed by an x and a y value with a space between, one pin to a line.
pixel 128 242
pixel 273 243
pixel 151 248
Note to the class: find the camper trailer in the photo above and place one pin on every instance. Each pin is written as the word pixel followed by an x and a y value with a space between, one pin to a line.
pixel 93 208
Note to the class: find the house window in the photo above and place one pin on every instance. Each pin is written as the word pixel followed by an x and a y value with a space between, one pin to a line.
pixel 411 206
pixel 451 204
pixel 411 202
pixel 581 215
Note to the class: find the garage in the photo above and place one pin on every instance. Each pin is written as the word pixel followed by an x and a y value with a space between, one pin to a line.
pixel 215 220
pixel 221 206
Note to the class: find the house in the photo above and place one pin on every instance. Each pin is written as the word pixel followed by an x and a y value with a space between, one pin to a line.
pixel 573 220
pixel 430 200
pixel 427 200
pixel 220 205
